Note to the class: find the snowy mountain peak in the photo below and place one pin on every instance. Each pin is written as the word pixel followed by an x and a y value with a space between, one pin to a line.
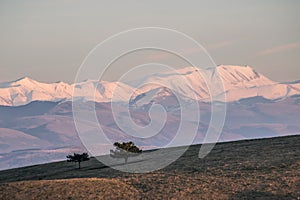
pixel 24 81
pixel 241 76
pixel 239 82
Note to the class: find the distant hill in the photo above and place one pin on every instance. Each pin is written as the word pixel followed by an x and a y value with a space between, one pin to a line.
pixel 264 168
pixel 42 132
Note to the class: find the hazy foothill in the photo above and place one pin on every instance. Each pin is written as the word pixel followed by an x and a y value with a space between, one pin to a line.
pixel 37 125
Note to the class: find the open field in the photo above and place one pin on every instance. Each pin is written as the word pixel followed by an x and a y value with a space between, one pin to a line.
pixel 265 169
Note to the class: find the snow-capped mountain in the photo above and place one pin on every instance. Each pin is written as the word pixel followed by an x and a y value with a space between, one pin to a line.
pixel 239 82
pixel 26 90
pixel 42 129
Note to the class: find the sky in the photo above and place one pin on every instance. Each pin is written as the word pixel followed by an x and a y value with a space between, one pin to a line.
pixel 48 40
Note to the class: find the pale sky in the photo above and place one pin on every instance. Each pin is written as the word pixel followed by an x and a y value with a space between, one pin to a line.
pixel 48 40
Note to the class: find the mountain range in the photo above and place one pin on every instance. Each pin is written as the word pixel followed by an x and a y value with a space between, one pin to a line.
pixel 37 125
pixel 239 82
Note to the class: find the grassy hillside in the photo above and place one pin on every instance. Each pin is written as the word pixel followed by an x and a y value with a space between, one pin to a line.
pixel 85 188
pixel 235 170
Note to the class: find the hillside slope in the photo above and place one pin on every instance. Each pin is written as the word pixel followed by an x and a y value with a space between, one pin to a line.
pixel 266 168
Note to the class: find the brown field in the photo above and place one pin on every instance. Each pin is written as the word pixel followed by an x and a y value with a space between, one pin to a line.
pixel 253 169
pixel 85 188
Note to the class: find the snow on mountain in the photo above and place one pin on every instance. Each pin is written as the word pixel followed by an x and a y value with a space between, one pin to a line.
pixel 103 91
pixel 43 128
pixel 241 77
pixel 239 82
pixel 26 90
pixel 245 82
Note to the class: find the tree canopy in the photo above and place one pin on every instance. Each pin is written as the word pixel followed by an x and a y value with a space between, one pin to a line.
pixel 76 157
pixel 125 150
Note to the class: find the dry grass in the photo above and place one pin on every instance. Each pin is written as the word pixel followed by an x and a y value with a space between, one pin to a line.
pixel 235 185
pixel 85 188
pixel 257 169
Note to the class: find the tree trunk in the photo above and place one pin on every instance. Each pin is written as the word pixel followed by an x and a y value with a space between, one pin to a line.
pixel 126 159
pixel 79 165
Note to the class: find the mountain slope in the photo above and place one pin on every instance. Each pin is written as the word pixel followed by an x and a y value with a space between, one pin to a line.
pixel 239 82
pixel 49 133
pixel 26 90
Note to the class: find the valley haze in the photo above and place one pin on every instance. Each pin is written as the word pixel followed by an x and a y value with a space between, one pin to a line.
pixel 37 125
